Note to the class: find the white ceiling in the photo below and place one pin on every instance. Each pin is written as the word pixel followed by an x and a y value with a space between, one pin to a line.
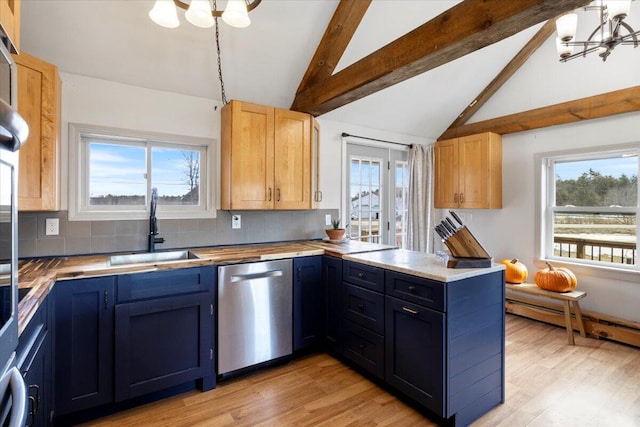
pixel 264 63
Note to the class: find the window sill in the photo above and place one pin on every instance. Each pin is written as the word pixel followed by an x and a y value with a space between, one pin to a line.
pixel 631 274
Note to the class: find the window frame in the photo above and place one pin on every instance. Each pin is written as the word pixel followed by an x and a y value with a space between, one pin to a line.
pixel 545 209
pixel 81 210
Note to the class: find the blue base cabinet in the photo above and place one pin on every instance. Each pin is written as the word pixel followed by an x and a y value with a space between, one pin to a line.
pixel 119 338
pixel 161 343
pixel 34 361
pixel 332 303
pixel 84 343
pixel 308 311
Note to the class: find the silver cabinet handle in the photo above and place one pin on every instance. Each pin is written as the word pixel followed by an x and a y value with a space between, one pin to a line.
pixel 19 395
pixel 410 311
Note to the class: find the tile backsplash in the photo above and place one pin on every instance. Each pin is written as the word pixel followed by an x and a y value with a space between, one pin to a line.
pixel 93 237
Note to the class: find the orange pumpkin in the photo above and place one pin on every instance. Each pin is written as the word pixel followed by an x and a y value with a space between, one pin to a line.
pixel 515 272
pixel 556 279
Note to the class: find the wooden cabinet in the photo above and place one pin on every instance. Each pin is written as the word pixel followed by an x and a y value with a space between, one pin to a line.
pixel 468 172
pixel 10 23
pixel 267 158
pixel 39 104
pixel 84 344
pixel 315 165
pixel 307 308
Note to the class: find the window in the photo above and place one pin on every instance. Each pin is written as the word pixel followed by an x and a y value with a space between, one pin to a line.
pixel 376 202
pixel 117 169
pixel 591 208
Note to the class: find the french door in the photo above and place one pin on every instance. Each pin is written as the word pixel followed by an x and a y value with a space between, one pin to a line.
pixel 376 196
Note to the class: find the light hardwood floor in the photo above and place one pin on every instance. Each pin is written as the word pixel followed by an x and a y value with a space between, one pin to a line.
pixel 548 383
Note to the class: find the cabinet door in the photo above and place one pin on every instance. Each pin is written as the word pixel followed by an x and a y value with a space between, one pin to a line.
pixel 480 163
pixel 161 343
pixel 446 174
pixel 307 302
pixel 316 194
pixel 36 380
pixel 292 160
pixel 247 156
pixel 332 283
pixel 415 366
pixel 84 344
pixel 10 21
pixel 39 105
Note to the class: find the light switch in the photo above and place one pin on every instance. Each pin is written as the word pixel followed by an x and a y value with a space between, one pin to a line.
pixel 235 221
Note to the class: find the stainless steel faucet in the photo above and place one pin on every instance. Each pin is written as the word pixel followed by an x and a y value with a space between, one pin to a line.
pixel 153 222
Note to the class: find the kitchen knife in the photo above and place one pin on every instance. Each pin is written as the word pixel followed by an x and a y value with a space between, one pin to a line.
pixel 452 224
pixel 447 233
pixel 456 217
pixel 440 233
pixel 451 230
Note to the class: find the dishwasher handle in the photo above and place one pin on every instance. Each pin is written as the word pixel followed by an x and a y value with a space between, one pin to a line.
pixel 254 276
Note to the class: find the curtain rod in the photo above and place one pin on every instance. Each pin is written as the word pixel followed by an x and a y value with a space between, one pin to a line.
pixel 344 135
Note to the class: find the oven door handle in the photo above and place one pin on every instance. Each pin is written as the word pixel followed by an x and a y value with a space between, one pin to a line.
pixel 18 397
pixel 13 129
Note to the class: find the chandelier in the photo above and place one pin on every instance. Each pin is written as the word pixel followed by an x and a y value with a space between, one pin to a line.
pixel 201 13
pixel 611 32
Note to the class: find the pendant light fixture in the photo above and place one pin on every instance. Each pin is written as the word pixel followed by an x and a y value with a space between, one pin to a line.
pixel 201 13
pixel 611 31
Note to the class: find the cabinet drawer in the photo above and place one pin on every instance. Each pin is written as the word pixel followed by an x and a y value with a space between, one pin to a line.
pixel 426 292
pixel 156 284
pixel 363 275
pixel 364 307
pixel 365 348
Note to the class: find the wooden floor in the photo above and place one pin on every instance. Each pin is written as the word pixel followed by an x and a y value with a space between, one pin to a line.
pixel 548 383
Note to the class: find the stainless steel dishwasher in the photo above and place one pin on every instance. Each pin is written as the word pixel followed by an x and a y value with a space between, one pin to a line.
pixel 254 313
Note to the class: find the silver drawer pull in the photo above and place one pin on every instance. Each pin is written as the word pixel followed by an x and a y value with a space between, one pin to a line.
pixel 408 310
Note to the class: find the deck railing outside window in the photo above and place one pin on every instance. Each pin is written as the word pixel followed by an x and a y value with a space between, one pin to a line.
pixel 596 250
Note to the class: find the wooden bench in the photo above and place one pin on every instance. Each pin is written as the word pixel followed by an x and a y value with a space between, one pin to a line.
pixel 565 297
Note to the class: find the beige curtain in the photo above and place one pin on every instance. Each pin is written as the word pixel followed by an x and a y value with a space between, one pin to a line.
pixel 420 233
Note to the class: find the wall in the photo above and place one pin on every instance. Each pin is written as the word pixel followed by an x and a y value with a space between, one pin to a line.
pixel 100 102
pixel 510 231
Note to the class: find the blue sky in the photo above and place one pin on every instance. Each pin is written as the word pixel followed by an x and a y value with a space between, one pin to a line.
pixel 121 169
pixel 614 167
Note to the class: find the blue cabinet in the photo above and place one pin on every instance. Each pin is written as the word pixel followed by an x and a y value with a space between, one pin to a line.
pixel 83 343
pixel 332 303
pixel 121 337
pixel 308 313
pixel 34 362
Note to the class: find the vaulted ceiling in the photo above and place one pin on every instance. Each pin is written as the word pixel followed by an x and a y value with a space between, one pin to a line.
pixel 418 85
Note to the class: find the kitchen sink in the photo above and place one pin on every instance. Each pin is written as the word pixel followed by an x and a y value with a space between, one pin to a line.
pixel 150 257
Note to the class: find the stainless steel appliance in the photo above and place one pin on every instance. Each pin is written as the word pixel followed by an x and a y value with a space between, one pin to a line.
pixel 13 133
pixel 254 313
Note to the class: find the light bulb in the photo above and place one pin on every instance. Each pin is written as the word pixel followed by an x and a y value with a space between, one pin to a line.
pixel 566 26
pixel 164 14
pixel 235 14
pixel 199 13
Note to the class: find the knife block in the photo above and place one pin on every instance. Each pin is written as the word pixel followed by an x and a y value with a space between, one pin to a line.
pixel 463 244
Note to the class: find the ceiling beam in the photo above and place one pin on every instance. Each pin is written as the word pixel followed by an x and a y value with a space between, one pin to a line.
pixel 509 70
pixel 593 107
pixel 465 28
pixel 335 40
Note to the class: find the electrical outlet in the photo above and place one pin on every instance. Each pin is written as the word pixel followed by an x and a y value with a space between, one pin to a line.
pixel 52 226
pixel 327 220
pixel 235 221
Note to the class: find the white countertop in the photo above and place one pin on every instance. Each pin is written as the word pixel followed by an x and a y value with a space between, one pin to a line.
pixel 419 264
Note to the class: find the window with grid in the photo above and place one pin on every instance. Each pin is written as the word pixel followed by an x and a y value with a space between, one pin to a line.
pixel 591 208
pixel 117 170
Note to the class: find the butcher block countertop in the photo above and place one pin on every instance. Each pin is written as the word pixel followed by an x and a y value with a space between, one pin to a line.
pixel 40 274
pixel 419 264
